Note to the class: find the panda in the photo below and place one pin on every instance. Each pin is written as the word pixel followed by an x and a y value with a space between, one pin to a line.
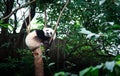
pixel 37 38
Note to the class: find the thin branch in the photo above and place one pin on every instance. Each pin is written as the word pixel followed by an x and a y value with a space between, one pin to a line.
pixel 45 19
pixel 18 9
pixel 23 16
pixel 29 26
pixel 18 3
pixel 58 20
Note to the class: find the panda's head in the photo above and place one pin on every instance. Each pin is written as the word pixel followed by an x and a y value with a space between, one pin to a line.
pixel 48 32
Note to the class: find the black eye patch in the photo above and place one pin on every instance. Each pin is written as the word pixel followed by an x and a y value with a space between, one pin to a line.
pixel 47 33
pixel 51 33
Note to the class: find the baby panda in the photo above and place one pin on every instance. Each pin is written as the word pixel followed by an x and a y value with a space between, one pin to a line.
pixel 37 38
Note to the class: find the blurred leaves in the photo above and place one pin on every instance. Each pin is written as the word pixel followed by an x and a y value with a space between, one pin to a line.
pixel 7 26
pixel 110 68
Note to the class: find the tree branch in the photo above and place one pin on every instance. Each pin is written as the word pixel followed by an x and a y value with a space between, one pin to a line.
pixel 45 19
pixel 18 9
pixel 58 20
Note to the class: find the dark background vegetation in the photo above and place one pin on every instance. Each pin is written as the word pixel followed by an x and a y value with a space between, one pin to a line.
pixel 73 50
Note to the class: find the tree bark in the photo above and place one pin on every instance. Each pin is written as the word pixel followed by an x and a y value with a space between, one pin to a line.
pixel 38 62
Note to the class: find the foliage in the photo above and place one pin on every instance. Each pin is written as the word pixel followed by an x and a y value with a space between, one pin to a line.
pixel 90 29
pixel 19 66
pixel 7 26
pixel 99 17
pixel 101 30
pixel 109 68
pixel 64 74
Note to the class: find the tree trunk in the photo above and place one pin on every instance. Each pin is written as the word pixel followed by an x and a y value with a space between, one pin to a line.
pixel 38 62
pixel 4 40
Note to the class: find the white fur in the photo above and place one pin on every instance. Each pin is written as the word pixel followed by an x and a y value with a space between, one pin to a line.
pixel 49 32
pixel 32 41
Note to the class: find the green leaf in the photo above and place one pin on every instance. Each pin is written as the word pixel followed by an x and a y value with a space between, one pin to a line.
pixel 94 71
pixel 60 74
pixel 117 57
pixel 85 71
pixel 118 63
pixel 99 66
pixel 51 64
pixel 91 71
pixel 110 65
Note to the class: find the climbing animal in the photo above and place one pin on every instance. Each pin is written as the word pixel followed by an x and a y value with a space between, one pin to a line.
pixel 37 38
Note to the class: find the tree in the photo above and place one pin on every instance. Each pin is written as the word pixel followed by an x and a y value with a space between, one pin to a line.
pixel 6 36
pixel 98 19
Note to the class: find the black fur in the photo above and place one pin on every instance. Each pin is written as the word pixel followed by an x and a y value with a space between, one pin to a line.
pixel 42 36
pixel 45 40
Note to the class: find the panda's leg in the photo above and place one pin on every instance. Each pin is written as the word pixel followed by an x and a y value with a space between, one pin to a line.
pixel 38 62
